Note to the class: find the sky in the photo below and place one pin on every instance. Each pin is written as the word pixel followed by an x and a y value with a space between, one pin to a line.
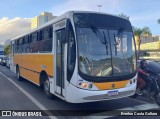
pixel 15 16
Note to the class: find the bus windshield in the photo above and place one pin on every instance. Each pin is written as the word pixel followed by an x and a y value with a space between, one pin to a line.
pixel 104 52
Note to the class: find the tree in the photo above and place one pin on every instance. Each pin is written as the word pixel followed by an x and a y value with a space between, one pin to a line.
pixel 7 49
pixel 123 16
pixel 138 32
pixel 158 21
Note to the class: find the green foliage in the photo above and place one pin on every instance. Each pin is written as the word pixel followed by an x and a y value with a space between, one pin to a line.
pixel 138 31
pixel 7 49
pixel 123 16
pixel 146 30
pixel 158 21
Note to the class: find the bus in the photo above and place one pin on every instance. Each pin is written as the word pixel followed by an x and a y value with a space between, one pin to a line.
pixel 80 57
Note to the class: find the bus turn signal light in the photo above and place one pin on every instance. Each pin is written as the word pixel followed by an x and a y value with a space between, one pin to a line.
pixel 84 85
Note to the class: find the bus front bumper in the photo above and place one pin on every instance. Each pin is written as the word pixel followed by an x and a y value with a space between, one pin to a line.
pixel 78 95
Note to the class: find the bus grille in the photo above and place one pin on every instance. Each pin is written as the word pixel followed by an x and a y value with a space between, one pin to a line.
pixel 105 96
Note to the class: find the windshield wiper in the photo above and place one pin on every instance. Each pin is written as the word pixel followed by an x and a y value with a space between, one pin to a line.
pixel 98 34
pixel 106 44
pixel 101 37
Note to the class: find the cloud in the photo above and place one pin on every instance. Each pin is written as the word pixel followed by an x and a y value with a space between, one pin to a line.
pixel 10 28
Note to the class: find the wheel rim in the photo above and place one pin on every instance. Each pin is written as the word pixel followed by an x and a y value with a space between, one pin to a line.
pixel 46 87
pixel 17 74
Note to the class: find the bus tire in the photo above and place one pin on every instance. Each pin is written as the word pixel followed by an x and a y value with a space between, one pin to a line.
pixel 46 88
pixel 19 78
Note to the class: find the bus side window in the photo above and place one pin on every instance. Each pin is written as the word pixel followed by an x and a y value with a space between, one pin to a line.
pixel 34 43
pixel 21 45
pixel 40 35
pixel 26 44
pixel 13 49
pixel 15 45
pixel 46 36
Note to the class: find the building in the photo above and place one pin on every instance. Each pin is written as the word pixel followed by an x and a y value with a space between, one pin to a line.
pixel 41 19
pixel 148 42
pixel 149 38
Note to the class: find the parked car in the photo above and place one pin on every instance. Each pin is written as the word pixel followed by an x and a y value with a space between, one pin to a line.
pixel 0 59
pixel 4 61
pixel 8 63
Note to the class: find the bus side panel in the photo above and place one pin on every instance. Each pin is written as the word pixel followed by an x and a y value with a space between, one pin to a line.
pixel 32 65
pixel 44 62
pixel 27 74
pixel 16 59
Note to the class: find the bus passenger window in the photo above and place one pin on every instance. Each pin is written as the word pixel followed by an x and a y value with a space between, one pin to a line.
pixel 20 45
pixel 15 48
pixel 26 44
pixel 34 37
pixel 45 44
pixel 34 43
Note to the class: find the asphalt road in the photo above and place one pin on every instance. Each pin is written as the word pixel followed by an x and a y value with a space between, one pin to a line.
pixel 24 95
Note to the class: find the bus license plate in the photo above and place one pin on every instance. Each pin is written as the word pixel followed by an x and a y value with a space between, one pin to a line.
pixel 113 93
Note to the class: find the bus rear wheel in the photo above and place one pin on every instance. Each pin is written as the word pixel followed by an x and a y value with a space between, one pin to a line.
pixel 46 88
pixel 19 78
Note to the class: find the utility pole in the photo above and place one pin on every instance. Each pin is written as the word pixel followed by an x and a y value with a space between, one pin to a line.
pixel 99 6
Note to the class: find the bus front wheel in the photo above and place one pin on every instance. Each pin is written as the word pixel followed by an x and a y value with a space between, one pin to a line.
pixel 47 89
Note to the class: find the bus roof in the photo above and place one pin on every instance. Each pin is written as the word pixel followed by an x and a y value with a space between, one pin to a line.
pixel 59 18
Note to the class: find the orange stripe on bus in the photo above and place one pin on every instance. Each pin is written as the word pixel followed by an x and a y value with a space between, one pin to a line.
pixel 111 85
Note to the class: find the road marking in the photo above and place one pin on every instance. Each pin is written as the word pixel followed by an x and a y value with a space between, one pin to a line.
pixel 38 104
pixel 134 99
pixel 146 106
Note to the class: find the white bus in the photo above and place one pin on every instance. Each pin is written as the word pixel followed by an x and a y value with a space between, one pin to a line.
pixel 79 57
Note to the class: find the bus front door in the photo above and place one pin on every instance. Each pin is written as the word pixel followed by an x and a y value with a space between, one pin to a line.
pixel 61 61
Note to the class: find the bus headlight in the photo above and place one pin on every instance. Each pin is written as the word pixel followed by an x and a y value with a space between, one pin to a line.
pixel 86 85
pixel 131 81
